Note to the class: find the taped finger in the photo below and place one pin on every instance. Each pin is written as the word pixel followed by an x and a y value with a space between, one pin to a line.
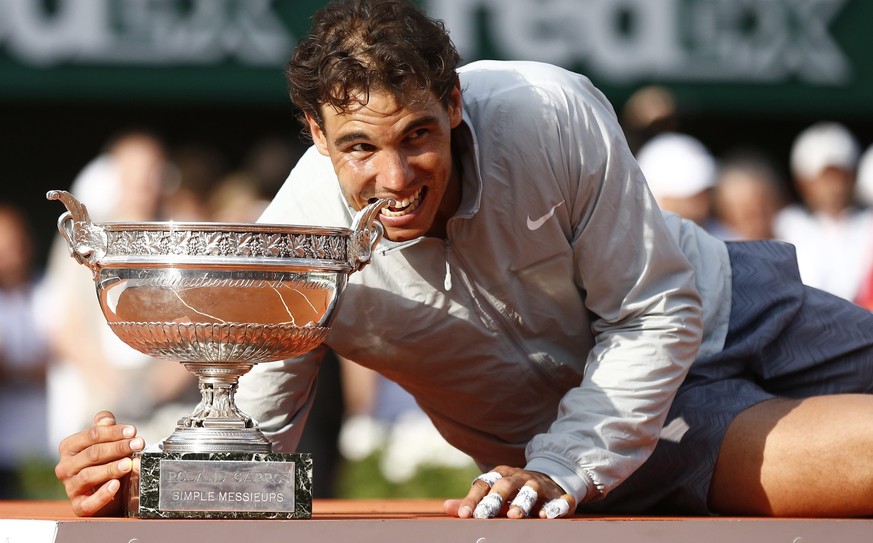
pixel 558 507
pixel 489 506
pixel 489 478
pixel 525 499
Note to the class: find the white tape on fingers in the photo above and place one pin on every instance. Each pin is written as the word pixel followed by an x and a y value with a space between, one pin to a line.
pixel 556 508
pixel 525 499
pixel 489 478
pixel 489 506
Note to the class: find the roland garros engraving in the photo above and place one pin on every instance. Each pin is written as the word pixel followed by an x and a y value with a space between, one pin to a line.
pixel 190 485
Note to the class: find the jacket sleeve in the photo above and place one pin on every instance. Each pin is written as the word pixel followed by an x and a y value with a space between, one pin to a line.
pixel 639 287
pixel 279 396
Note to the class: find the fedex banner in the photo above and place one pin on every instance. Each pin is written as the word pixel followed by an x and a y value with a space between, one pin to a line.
pixel 689 40
pixel 735 54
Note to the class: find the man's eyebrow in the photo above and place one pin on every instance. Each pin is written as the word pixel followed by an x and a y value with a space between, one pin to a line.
pixel 348 138
pixel 360 136
pixel 418 123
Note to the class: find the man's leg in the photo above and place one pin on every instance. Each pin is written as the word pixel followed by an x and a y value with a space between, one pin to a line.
pixel 780 421
pixel 807 457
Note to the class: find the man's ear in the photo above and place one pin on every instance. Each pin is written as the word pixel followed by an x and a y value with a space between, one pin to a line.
pixel 455 106
pixel 318 137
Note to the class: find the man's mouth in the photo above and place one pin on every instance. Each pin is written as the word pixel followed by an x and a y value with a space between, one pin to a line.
pixel 405 206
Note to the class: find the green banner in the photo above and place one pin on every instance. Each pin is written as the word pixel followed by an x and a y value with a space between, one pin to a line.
pixel 788 56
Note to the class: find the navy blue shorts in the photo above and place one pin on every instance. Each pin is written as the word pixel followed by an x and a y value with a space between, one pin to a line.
pixel 785 339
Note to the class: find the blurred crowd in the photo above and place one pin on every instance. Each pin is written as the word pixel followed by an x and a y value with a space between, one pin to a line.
pixel 824 208
pixel 60 363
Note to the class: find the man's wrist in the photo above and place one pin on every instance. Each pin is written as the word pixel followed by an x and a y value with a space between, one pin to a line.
pixel 578 487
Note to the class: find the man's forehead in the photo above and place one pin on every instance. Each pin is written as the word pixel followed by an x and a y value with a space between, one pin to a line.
pixel 381 102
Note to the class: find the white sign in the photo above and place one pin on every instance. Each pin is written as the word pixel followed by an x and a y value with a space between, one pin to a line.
pixel 152 32
pixel 691 40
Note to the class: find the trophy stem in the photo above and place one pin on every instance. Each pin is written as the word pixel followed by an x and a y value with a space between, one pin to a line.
pixel 217 424
pixel 217 407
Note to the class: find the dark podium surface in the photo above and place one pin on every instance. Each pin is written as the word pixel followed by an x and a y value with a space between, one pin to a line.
pixel 419 521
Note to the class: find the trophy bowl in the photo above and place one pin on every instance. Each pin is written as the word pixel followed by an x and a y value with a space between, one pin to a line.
pixel 219 298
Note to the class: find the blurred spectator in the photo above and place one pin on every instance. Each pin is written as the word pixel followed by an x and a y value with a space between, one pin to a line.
pixel 864 194
pixel 197 169
pixel 748 195
pixel 649 111
pixel 125 179
pixel 864 184
pixel 236 198
pixel 94 369
pixel 269 161
pixel 831 233
pixel 23 356
pixel 681 174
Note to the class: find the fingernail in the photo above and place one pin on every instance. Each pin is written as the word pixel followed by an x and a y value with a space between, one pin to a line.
pixel 113 486
pixel 137 444
pixel 105 421
pixel 124 465
pixel 465 511
pixel 128 431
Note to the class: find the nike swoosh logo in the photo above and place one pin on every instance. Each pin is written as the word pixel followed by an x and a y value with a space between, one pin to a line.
pixel 533 225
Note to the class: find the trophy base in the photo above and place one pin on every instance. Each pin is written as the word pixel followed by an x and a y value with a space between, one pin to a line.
pixel 227 485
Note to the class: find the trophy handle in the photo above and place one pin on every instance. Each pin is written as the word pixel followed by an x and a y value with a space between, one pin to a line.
pixel 87 242
pixel 366 233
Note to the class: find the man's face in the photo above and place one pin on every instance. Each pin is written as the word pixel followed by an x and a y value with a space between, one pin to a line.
pixel 389 150
pixel 830 192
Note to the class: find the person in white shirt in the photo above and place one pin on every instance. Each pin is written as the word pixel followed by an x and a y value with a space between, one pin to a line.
pixel 830 231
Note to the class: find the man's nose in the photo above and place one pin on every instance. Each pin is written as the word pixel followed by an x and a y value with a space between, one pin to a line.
pixel 394 171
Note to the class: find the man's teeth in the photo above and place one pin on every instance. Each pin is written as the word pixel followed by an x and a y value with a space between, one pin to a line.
pixel 404 206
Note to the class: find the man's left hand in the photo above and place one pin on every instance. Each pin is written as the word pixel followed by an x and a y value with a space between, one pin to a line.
pixel 512 492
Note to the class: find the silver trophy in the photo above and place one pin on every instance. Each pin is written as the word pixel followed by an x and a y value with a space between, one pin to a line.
pixel 219 298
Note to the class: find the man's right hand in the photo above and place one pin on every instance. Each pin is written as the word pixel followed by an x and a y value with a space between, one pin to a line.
pixel 94 462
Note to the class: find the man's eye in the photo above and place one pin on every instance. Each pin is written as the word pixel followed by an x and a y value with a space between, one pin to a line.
pixel 417 137
pixel 418 134
pixel 361 148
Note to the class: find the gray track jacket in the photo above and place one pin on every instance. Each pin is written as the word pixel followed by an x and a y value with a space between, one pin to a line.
pixel 554 325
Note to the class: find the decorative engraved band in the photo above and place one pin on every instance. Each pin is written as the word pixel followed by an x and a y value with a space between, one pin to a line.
pixel 205 243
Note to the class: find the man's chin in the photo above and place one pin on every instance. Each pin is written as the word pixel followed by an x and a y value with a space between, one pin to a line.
pixel 402 234
pixel 401 237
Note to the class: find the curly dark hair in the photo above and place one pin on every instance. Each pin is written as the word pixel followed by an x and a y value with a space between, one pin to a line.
pixel 359 46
